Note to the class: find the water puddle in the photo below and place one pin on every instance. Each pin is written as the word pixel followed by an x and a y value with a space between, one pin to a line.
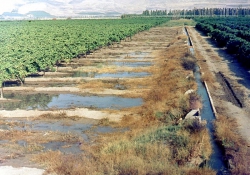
pixel 132 64
pixel 216 160
pixel 139 53
pixel 82 128
pixel 98 75
pixel 105 129
pixel 135 55
pixel 3 142
pixel 67 101
pixel 121 55
pixel 63 147
pixel 111 75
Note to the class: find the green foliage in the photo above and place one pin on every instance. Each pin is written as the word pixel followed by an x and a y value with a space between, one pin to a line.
pixel 173 115
pixel 194 126
pixel 200 12
pixel 27 101
pixel 233 33
pixel 159 115
pixel 167 134
pixel 30 47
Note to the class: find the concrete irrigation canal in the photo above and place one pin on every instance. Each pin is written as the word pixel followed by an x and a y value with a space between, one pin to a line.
pixel 207 113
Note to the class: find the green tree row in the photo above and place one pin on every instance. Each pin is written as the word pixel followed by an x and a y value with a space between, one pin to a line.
pixel 200 12
pixel 232 33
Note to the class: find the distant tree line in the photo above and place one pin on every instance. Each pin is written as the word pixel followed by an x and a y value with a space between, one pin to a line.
pixel 199 12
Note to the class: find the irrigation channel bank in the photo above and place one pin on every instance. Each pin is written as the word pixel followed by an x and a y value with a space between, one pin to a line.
pixel 208 113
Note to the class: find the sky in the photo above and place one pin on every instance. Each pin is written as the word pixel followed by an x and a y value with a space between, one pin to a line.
pixel 74 7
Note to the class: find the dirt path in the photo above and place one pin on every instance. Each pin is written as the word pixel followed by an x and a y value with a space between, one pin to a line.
pixel 231 82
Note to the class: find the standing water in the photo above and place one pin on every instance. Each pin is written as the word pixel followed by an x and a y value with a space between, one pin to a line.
pixel 65 101
pixel 216 160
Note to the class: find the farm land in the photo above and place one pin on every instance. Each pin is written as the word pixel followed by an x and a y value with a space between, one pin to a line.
pixel 141 78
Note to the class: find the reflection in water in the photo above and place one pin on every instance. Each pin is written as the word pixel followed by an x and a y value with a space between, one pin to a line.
pixel 29 101
pixel 132 64
pixel 64 101
pixel 83 129
pixel 113 75
pixel 216 160
pixel 138 54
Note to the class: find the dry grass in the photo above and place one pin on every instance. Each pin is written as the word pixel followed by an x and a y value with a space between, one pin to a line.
pixel 207 75
pixel 154 143
pixel 138 83
pixel 97 84
pixel 59 116
pixel 113 69
pixel 189 63
pixel 195 101
pixel 200 171
pixel 14 135
pixel 58 163
pixel 170 84
pixel 180 22
pixel 182 37
pixel 106 122
pixel 224 132
pixel 147 152
pixel 44 137
pixel 73 164
pixel 235 148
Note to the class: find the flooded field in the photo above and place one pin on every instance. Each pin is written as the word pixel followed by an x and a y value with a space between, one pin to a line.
pixel 112 75
pixel 132 64
pixel 66 101
pixel 82 131
pixel 52 129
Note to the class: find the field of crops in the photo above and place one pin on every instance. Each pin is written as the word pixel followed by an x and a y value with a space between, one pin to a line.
pixel 232 33
pixel 27 47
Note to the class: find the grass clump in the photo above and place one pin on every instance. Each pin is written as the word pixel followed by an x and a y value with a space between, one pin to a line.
pixel 195 101
pixel 226 136
pixel 189 63
pixel 194 126
pixel 207 78
pixel 166 133
pixel 236 150
pixel 57 116
pixel 105 122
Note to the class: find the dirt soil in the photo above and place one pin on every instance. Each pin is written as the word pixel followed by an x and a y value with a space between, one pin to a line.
pixel 230 91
